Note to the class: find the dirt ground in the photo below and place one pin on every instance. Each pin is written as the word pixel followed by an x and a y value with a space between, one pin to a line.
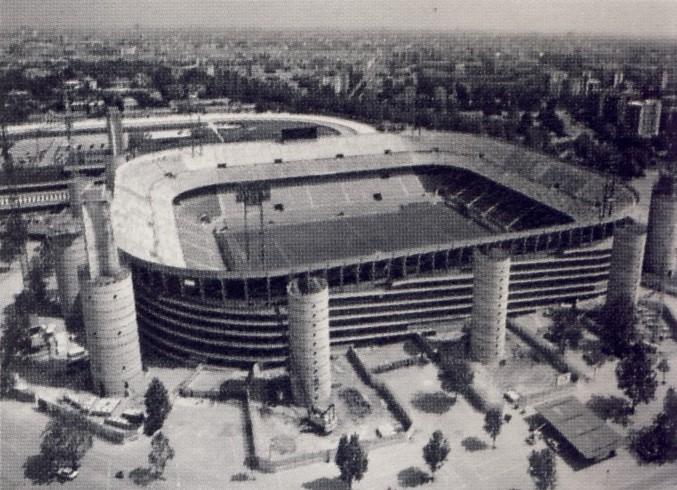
pixel 281 433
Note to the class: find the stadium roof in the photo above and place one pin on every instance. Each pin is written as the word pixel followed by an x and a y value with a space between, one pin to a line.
pixel 344 126
pixel 588 434
pixel 146 186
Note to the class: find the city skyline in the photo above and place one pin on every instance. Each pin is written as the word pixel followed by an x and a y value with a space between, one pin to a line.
pixel 652 18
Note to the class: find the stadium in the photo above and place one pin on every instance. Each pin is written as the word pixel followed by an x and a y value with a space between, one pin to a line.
pixel 214 233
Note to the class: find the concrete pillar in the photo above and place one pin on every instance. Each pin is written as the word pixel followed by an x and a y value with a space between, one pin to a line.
pixel 223 290
pixel 625 273
pixel 491 278
pixel 309 352
pixel 661 239
pixel 201 288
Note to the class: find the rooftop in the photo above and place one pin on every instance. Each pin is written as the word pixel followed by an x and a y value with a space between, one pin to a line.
pixel 588 434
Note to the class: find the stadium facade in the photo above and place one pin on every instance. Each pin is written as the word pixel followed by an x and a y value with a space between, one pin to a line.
pixel 214 235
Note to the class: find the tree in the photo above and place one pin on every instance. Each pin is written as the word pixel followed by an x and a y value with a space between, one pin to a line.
pixel 526 122
pixel 635 375
pixel 618 327
pixel 565 330
pixel 65 440
pixel 36 280
pixel 13 240
pixel 351 458
pixel 7 379
pixel 436 451
pixel 663 367
pixel 542 469
pixel 657 443
pixel 157 406
pixel 493 420
pixel 456 376
pixel 160 453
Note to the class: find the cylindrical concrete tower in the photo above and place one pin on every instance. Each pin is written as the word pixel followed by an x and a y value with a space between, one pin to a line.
pixel 102 252
pixel 116 142
pixel 75 189
pixel 309 363
pixel 662 233
pixel 109 315
pixel 69 254
pixel 108 308
pixel 491 271
pixel 625 272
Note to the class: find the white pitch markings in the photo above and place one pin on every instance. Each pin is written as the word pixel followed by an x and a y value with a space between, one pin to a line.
pixel 310 197
pixel 345 193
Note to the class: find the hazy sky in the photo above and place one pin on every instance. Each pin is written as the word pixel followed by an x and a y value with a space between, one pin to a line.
pixel 625 17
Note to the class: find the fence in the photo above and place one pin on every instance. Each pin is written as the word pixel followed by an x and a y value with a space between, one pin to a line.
pixel 400 363
pixel 550 353
pixel 546 395
pixel 382 389
pixel 325 456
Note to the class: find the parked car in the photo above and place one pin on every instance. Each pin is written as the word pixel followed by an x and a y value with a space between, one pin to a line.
pixel 66 473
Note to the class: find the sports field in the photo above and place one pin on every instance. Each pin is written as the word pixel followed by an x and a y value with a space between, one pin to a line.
pixel 413 225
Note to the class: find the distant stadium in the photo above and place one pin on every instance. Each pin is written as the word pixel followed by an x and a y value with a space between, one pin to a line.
pixel 214 233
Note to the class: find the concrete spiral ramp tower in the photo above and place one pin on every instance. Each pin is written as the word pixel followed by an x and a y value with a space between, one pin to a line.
pixel 491 278
pixel 625 272
pixel 68 244
pixel 309 352
pixel 662 234
pixel 108 308
pixel 67 241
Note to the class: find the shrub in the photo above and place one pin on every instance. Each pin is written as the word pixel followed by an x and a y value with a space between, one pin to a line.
pixel 437 403
pixel 358 406
pixel 473 444
pixel 612 408
pixel 242 476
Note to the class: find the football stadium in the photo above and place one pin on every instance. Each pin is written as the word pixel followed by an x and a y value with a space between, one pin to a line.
pixel 214 233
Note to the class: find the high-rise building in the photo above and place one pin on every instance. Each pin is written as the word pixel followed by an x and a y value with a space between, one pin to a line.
pixel 643 117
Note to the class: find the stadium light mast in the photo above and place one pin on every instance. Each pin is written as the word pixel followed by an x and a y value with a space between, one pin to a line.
pixel 254 194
